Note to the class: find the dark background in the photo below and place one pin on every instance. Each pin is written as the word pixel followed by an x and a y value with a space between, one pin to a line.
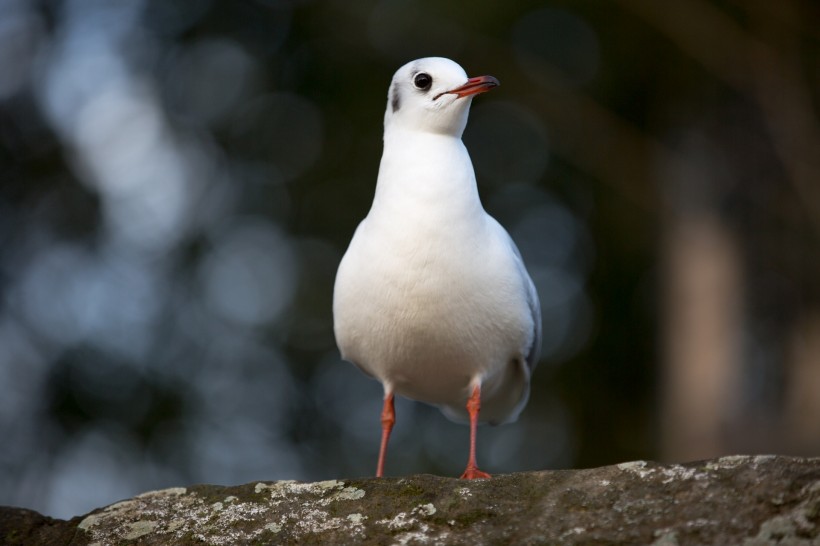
pixel 179 180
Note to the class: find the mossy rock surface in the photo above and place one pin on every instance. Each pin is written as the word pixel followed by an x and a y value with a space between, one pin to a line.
pixel 750 500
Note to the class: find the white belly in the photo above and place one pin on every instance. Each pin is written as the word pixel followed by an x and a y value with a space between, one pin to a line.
pixel 429 318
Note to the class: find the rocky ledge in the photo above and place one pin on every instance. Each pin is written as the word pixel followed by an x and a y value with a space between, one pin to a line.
pixel 749 500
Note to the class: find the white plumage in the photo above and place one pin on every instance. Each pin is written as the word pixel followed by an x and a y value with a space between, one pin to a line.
pixel 432 297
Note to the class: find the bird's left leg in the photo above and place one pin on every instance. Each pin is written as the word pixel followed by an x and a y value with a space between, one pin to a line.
pixel 388 418
pixel 473 406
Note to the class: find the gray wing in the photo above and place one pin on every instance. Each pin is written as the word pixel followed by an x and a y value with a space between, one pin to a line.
pixel 534 303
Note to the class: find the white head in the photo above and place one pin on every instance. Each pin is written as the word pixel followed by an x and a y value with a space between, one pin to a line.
pixel 432 95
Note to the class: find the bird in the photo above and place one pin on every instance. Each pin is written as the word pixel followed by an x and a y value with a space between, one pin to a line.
pixel 432 297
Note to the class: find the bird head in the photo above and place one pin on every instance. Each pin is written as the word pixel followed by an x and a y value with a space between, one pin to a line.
pixel 433 95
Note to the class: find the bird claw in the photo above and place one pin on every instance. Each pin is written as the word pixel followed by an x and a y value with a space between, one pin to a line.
pixel 473 473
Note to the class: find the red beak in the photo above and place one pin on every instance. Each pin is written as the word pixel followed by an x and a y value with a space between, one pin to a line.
pixel 473 86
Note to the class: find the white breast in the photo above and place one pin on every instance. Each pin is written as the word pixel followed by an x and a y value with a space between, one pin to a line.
pixel 430 296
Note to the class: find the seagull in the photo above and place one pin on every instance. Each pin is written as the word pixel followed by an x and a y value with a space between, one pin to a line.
pixel 432 297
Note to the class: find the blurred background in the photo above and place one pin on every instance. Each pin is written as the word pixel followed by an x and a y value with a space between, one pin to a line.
pixel 179 180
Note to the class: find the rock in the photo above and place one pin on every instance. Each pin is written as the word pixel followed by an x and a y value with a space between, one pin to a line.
pixel 747 500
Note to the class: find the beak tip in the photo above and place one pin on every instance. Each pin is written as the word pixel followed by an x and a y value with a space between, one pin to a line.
pixel 474 86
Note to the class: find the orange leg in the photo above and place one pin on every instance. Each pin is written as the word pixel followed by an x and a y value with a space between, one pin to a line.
pixel 388 418
pixel 473 406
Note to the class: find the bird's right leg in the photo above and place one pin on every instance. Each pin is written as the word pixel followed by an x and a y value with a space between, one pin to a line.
pixel 388 418
pixel 473 407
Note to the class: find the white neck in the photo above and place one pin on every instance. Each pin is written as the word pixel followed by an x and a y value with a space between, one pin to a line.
pixel 425 175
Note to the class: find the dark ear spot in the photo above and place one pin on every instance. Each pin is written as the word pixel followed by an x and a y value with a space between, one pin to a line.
pixel 395 102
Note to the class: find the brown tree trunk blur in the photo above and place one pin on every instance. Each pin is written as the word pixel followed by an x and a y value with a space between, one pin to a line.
pixel 703 310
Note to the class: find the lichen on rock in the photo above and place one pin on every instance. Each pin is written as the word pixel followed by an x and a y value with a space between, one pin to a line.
pixel 748 500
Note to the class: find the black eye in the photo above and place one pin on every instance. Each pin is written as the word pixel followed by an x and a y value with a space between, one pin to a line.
pixel 423 81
